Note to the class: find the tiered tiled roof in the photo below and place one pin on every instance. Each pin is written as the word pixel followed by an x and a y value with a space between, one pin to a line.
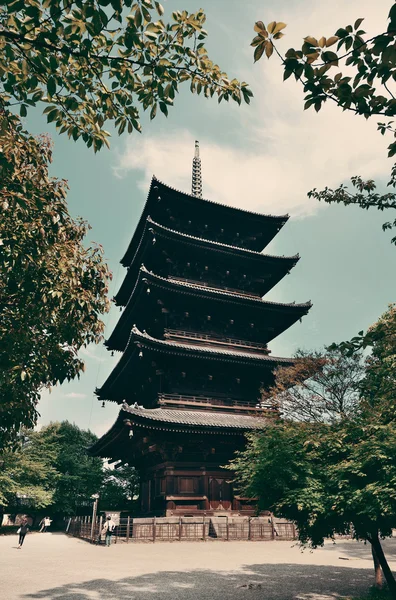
pixel 196 418
pixel 271 223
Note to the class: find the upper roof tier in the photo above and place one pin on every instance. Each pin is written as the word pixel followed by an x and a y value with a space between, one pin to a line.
pixel 175 254
pixel 204 218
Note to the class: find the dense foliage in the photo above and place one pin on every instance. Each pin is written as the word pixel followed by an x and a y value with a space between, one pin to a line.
pixel 79 475
pixel 94 61
pixel 327 471
pixel 51 468
pixel 27 473
pixel 52 286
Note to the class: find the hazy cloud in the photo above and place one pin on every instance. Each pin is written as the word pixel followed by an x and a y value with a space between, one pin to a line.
pixel 282 152
pixel 74 395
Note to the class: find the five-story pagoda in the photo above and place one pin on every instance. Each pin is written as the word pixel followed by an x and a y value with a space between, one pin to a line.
pixel 193 336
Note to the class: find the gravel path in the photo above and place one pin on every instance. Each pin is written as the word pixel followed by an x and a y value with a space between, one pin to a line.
pixel 56 567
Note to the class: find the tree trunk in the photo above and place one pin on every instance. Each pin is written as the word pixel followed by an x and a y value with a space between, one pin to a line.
pixel 377 569
pixel 390 580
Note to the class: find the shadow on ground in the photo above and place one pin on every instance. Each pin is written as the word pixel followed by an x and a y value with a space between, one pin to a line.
pixel 269 582
pixel 360 550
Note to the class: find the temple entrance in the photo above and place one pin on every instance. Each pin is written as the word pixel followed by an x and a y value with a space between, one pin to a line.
pixel 220 493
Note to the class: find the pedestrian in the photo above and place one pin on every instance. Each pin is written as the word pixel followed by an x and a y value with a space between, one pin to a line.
pixel 23 530
pixel 108 529
pixel 45 523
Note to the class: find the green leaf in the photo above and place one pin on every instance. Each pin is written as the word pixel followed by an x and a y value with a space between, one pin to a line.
pixel 358 22
pixel 163 108
pixel 160 8
pixel 258 53
pixel 51 86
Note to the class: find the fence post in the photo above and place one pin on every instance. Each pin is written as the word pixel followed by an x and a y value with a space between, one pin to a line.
pixel 272 529
pixel 294 532
pixel 249 529
pixel 100 529
pixel 180 529
pixel 227 529
pixel 127 531
pixel 154 529
pixel 204 528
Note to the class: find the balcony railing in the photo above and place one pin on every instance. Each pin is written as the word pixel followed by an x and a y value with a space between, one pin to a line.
pixel 208 401
pixel 199 337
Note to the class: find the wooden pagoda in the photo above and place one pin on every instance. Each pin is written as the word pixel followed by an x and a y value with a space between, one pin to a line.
pixel 193 340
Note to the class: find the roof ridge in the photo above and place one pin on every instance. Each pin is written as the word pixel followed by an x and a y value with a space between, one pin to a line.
pixel 250 212
pixel 226 292
pixel 201 239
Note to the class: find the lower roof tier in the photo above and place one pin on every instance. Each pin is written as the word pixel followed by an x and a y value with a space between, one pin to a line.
pixel 145 357
pixel 165 420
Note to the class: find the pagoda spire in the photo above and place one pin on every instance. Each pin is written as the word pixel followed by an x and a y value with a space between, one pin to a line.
pixel 196 186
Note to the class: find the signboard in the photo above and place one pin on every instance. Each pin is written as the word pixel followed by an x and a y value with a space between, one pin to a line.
pixel 115 515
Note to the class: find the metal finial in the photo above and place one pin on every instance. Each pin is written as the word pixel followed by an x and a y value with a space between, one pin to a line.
pixel 196 187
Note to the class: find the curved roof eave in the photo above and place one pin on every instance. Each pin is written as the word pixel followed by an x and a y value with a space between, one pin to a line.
pixel 213 351
pixel 281 219
pixel 214 245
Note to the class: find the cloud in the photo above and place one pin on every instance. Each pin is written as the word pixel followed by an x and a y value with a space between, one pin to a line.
pixel 279 152
pixel 91 354
pixel 74 395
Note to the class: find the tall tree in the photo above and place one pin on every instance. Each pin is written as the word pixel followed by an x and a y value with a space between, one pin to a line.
pixel 27 473
pixel 325 478
pixel 52 286
pixel 79 475
pixel 119 489
pixel 327 473
pixel 95 61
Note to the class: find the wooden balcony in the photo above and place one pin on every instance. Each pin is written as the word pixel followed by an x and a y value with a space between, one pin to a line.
pixel 201 338
pixel 205 402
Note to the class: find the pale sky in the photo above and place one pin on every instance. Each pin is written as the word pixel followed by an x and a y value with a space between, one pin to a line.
pixel 265 157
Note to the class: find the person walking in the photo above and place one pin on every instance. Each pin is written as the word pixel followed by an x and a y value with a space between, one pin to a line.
pixel 109 528
pixel 23 530
pixel 47 523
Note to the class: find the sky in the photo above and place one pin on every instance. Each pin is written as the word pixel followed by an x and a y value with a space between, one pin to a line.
pixel 264 157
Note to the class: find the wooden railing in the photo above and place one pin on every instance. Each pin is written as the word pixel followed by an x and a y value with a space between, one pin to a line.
pixel 215 340
pixel 181 528
pixel 189 400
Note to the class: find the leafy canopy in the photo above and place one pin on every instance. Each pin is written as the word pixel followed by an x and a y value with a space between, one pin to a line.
pixel 52 286
pixel 321 386
pixel 358 74
pixel 94 61
pixel 79 475
pixel 27 473
pixel 51 468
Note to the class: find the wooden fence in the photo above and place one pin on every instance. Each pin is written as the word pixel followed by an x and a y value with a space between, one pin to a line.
pixel 183 529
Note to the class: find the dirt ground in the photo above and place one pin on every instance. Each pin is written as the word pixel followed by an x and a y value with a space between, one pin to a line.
pixel 56 567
